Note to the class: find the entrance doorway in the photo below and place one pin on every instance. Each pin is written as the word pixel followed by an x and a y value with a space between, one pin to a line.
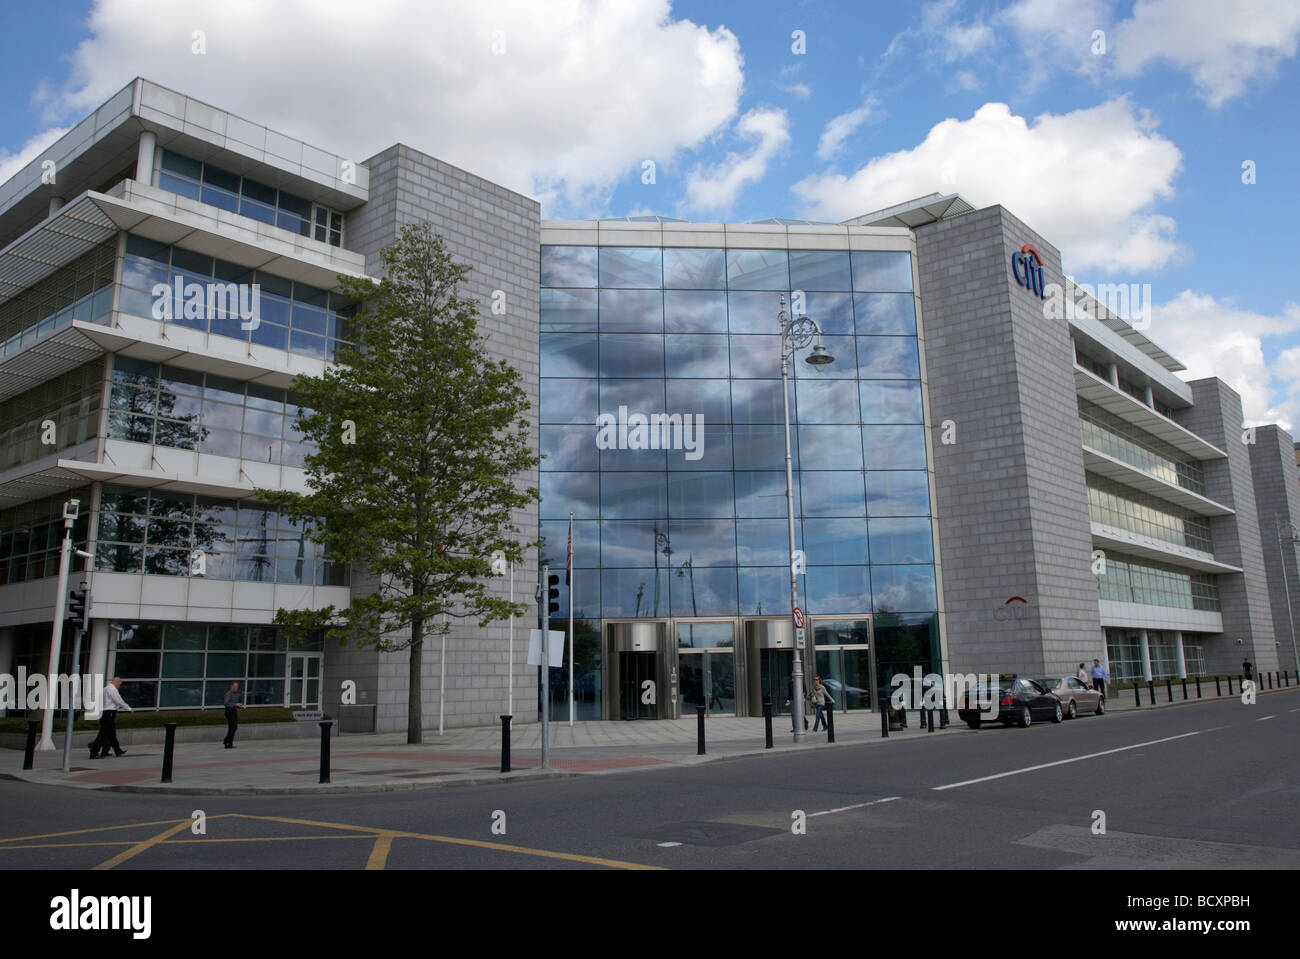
pixel 706 664
pixel 302 691
pixel 636 686
pixel 844 660
pixel 638 663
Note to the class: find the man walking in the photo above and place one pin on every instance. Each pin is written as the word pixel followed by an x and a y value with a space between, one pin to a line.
pixel 233 706
pixel 1099 677
pixel 110 702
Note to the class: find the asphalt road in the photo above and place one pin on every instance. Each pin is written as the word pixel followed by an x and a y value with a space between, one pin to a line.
pixel 1203 786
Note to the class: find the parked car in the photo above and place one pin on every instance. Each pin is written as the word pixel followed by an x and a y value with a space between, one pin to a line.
pixel 1076 696
pixel 1013 700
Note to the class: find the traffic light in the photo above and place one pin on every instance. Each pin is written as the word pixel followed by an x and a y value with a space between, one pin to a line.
pixel 79 607
pixel 553 593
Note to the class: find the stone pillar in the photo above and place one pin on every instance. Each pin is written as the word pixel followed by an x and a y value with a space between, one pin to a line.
pixel 1146 656
pixel 1182 660
pixel 98 663
pixel 1114 375
pixel 144 159
pixel 1149 397
pixel 56 204
pixel 6 657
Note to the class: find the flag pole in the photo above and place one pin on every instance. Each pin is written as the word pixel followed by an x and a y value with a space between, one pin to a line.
pixel 569 572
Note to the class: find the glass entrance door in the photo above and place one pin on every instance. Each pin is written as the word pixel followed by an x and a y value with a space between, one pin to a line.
pixel 302 691
pixel 776 666
pixel 844 660
pixel 707 667
pixel 637 691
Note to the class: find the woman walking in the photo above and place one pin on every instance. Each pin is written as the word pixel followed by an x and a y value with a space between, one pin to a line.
pixel 821 697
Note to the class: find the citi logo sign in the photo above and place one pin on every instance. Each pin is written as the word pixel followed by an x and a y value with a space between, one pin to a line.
pixel 1014 609
pixel 1027 268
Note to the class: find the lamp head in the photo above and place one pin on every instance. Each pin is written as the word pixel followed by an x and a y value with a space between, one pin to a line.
pixel 819 357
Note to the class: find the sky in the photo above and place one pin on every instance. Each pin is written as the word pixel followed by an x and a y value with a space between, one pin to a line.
pixel 1154 142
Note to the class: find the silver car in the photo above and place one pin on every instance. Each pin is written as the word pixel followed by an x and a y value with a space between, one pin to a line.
pixel 1076 696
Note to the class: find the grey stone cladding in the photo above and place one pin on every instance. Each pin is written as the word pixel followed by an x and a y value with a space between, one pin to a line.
pixel 1243 597
pixel 1277 502
pixel 498 233
pixel 1012 503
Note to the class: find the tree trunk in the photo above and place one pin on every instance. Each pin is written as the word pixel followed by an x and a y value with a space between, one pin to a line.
pixel 415 686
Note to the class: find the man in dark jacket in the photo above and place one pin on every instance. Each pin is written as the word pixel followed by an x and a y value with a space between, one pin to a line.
pixel 233 706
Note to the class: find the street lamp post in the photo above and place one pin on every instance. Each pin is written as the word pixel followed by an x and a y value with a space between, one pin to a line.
pixel 796 334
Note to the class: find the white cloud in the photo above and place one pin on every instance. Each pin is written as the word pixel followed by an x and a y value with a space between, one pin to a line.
pixel 717 187
pixel 1087 179
pixel 800 90
pixel 11 163
pixel 1056 34
pixel 966 80
pixel 1224 47
pixel 839 128
pixel 580 96
pixel 1214 338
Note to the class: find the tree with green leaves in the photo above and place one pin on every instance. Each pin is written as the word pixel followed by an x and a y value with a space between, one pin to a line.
pixel 423 457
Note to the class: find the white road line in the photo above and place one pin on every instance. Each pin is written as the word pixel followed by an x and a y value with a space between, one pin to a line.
pixel 861 805
pixel 667 845
pixel 1293 710
pixel 1062 762
pixel 1262 718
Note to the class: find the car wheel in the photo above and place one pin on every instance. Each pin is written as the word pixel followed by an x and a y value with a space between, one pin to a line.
pixel 1026 719
pixel 1073 710
pixel 1056 716
pixel 1101 707
pixel 973 723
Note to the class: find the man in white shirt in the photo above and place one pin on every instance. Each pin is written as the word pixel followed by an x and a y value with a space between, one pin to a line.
pixel 112 701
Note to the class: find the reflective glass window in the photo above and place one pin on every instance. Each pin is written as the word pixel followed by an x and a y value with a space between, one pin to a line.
pixel 888 357
pixel 765 542
pixel 764 590
pixel 586 542
pixel 688 312
pixel 756 356
pixel 695 269
pixel 762 447
pixel 754 313
pixel 631 354
pixel 832 493
pixel 634 592
pixel 569 401
pixel 827 401
pixel 567 447
pixel 757 401
pixel 835 542
pixel 833 312
pixel 900 540
pixel 903 588
pixel 898 493
pixel 703 591
pixel 887 313
pixel 631 311
pixel 568 354
pixel 844 365
pixel 562 492
pixel 695 355
pixel 819 270
pixel 758 270
pixel 639 396
pixel 569 266
pixel 880 271
pixel 633 495
pixel 568 311
pixel 703 542
pixel 632 542
pixel 709 398
pixel 890 402
pixel 894 447
pixel 700 494
pixel 710 450
pixel 830 448
pixel 630 267
pixel 837 589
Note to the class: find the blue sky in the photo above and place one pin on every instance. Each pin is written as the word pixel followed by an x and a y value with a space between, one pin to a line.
pixel 1128 158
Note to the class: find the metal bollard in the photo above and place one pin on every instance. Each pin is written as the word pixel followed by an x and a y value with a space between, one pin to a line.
pixel 830 724
pixel 884 719
pixel 505 744
pixel 699 730
pixel 1137 696
pixel 169 749
pixel 325 751
pixel 33 729
pixel 1218 690
pixel 1198 687
pixel 1270 680
pixel 929 720
pixel 1184 687
pixel 943 718
pixel 767 723
pixel 1169 689
pixel 1151 691
pixel 1229 685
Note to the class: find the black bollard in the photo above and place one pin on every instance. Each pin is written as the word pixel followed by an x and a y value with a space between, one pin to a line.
pixel 1286 674
pixel 943 718
pixel 1151 691
pixel 884 719
pixel 1184 682
pixel 169 750
pixel 929 720
pixel 1270 680
pixel 767 723
pixel 1229 685
pixel 33 728
pixel 1218 689
pixel 505 744
pixel 1137 695
pixel 830 723
pixel 699 730
pixel 1198 687
pixel 1169 689
pixel 325 751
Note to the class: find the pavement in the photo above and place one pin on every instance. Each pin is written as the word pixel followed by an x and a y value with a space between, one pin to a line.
pixel 384 762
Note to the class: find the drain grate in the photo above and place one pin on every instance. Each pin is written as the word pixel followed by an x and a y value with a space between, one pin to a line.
pixel 707 833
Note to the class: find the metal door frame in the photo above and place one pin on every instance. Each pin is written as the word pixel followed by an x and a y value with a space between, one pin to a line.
pixel 737 657
pixel 870 645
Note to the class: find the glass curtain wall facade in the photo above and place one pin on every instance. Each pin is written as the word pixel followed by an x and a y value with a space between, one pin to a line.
pixel 691 522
